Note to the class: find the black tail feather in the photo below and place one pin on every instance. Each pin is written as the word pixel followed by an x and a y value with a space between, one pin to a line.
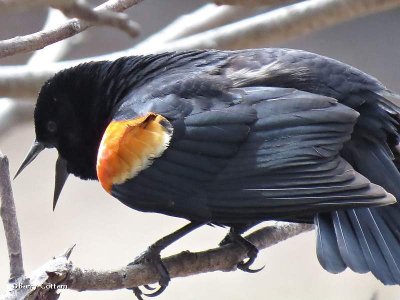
pixel 349 247
pixel 368 239
pixel 327 247
pixel 375 248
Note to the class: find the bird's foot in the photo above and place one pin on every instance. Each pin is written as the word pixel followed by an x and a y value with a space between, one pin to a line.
pixel 252 251
pixel 152 257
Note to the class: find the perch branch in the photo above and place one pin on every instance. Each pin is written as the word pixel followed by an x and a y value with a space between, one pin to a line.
pixel 44 38
pixel 62 273
pixel 184 264
pixel 10 223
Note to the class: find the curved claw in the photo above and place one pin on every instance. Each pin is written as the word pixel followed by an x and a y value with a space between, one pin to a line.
pixel 152 257
pixel 138 292
pixel 157 292
pixel 148 287
pixel 245 266
pixel 252 251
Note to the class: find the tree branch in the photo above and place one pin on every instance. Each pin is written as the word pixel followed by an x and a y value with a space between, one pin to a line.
pixel 61 273
pixel 57 51
pixel 44 38
pixel 10 223
pixel 281 24
pixel 184 264
pixel 205 18
pixel 81 10
pixel 262 30
pixel 11 112
pixel 252 3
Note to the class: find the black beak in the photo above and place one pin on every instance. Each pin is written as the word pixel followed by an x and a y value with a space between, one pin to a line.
pixel 61 178
pixel 33 152
pixel 61 169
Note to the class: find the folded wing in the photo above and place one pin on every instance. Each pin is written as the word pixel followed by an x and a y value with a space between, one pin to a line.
pixel 261 153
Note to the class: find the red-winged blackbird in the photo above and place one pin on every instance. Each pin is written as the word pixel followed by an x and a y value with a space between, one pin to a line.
pixel 234 138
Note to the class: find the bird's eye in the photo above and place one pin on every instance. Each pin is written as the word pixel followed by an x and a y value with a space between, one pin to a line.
pixel 52 126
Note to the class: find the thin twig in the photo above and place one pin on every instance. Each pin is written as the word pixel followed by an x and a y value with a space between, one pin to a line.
pixel 44 38
pixel 10 223
pixel 82 11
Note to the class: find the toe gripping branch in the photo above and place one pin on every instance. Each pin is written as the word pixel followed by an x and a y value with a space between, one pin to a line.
pixel 252 251
pixel 152 257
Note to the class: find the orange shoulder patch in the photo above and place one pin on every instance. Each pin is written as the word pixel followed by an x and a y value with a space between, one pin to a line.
pixel 128 147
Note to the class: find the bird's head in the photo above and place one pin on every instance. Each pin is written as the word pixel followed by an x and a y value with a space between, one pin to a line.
pixel 76 105
pixel 71 114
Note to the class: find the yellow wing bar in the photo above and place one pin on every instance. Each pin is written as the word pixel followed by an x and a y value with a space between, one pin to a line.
pixel 128 147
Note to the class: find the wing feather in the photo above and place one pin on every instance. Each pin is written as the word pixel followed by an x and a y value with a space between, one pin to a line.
pixel 269 153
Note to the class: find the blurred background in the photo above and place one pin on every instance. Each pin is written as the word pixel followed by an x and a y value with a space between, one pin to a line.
pixel 109 235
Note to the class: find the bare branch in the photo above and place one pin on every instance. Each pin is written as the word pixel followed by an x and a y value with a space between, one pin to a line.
pixel 39 284
pixel 44 38
pixel 281 24
pixel 60 271
pixel 265 29
pixel 13 113
pixel 55 51
pixel 184 264
pixel 39 40
pixel 205 18
pixel 82 11
pixel 252 3
pixel 10 223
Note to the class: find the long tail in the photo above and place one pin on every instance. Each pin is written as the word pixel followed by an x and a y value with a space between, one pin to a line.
pixel 368 239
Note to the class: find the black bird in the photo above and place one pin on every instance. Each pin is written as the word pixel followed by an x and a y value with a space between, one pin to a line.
pixel 234 138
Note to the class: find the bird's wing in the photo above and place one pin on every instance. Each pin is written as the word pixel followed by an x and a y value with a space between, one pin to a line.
pixel 260 153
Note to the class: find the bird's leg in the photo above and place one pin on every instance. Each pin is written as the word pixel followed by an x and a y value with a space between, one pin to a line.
pixel 235 237
pixel 152 256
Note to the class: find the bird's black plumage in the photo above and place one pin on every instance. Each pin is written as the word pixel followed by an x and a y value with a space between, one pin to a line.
pixel 257 135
